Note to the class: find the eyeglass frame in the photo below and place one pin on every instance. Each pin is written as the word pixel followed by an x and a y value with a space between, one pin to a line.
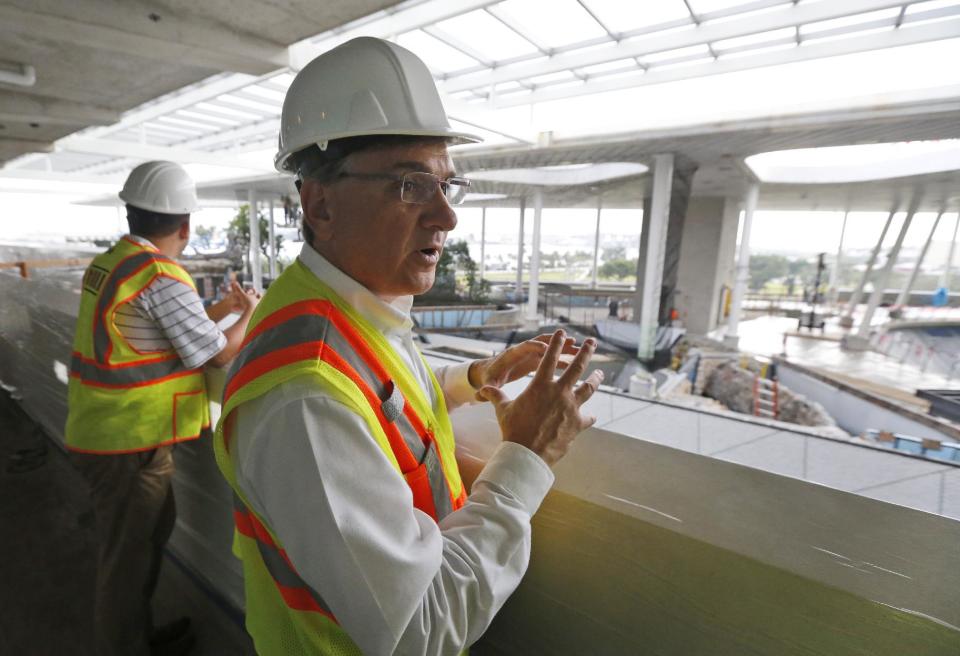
pixel 402 179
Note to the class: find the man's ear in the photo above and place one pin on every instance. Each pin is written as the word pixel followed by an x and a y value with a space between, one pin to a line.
pixel 184 232
pixel 316 215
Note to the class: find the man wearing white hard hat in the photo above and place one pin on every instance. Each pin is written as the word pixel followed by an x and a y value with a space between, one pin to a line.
pixel 358 530
pixel 136 389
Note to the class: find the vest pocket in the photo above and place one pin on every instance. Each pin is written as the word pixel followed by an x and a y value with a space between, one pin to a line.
pixel 188 414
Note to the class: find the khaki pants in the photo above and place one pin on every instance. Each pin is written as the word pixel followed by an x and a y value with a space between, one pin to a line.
pixel 135 513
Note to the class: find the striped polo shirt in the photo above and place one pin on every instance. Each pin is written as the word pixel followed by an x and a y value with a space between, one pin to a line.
pixel 168 314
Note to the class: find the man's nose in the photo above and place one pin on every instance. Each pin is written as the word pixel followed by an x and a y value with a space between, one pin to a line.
pixel 438 214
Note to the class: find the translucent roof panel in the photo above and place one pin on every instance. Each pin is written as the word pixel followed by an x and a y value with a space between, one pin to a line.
pixel 883 15
pixel 619 16
pixel 701 7
pixel 488 36
pixel 551 23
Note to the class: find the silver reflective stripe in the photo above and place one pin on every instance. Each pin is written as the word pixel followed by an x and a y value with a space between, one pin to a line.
pixel 277 566
pixel 438 482
pixel 125 376
pixel 101 337
pixel 306 328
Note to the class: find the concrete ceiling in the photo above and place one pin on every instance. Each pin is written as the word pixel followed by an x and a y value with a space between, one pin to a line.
pixel 95 59
pixel 717 151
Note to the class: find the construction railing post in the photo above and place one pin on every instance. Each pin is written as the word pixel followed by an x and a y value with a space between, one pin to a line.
pixel 535 256
pixel 483 242
pixel 847 318
pixel 863 332
pixel 273 244
pixel 743 265
pixel 523 209
pixel 255 271
pixel 835 270
pixel 656 245
pixel 945 278
pixel 903 297
pixel 596 244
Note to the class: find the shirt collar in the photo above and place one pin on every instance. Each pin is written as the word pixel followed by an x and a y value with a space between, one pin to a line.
pixel 387 316
pixel 143 241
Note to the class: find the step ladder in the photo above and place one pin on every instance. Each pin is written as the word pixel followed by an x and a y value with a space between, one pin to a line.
pixel 766 398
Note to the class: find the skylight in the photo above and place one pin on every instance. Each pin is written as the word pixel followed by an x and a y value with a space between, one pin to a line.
pixel 860 163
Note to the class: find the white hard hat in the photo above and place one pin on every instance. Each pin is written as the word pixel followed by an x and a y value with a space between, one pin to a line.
pixel 160 187
pixel 365 86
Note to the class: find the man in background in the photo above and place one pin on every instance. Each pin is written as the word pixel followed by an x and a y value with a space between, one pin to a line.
pixel 136 389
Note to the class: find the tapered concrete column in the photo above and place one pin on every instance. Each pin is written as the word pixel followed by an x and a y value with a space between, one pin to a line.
pixel 904 296
pixel 523 209
pixel 255 271
pixel 273 244
pixel 483 242
pixel 835 270
pixel 864 331
pixel 743 266
pixel 847 319
pixel 656 242
pixel 596 244
pixel 535 257
pixel 945 278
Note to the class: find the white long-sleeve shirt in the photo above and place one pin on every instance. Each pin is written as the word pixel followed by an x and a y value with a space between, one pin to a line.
pixel 396 581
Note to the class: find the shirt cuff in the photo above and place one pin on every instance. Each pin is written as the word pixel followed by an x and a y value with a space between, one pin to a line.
pixel 456 384
pixel 519 471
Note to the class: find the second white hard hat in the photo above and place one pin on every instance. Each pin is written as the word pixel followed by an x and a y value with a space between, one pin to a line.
pixel 365 86
pixel 160 187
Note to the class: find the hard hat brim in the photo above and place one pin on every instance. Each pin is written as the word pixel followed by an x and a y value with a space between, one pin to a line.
pixel 455 138
pixel 158 209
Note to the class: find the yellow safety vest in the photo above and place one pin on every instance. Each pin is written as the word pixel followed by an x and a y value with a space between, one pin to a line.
pixel 302 328
pixel 120 400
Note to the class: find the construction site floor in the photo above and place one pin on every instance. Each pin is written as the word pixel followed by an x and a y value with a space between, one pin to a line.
pixel 47 557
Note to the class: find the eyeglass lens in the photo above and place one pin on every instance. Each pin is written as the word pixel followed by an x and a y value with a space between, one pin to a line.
pixel 419 187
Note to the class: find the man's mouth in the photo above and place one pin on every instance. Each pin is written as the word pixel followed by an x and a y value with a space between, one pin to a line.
pixel 428 256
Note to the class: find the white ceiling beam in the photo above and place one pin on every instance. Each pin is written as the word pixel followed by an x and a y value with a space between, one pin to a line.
pixel 179 154
pixel 203 91
pixel 58 176
pixel 788 16
pixel 39 109
pixel 853 44
pixel 391 23
pixel 182 42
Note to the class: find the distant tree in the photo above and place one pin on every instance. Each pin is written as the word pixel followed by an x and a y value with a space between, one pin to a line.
pixel 238 235
pixel 614 253
pixel 764 268
pixel 204 235
pixel 619 269
pixel 457 275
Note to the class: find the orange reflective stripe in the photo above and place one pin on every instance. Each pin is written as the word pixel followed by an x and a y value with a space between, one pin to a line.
pixel 266 363
pixel 288 312
pixel 294 590
pixel 405 458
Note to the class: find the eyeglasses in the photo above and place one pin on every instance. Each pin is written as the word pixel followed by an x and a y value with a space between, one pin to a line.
pixel 420 187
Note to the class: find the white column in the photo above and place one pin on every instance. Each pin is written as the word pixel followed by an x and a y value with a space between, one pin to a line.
pixel 857 294
pixel 483 242
pixel 864 331
pixel 535 257
pixel 273 244
pixel 743 265
pixel 523 208
pixel 904 295
pixel 656 244
pixel 255 272
pixel 835 270
pixel 596 244
pixel 945 278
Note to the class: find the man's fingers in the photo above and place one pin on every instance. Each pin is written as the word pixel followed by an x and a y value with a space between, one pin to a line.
pixel 587 422
pixel 548 365
pixel 586 389
pixel 492 394
pixel 579 364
